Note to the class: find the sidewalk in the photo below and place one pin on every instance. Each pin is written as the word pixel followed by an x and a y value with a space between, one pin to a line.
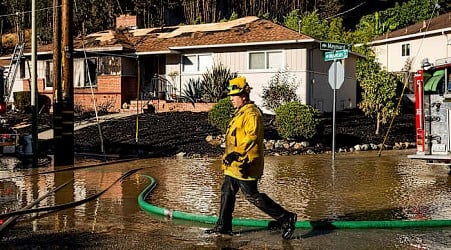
pixel 48 134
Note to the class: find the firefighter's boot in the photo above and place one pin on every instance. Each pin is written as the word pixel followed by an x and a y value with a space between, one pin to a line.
pixel 289 225
pixel 224 223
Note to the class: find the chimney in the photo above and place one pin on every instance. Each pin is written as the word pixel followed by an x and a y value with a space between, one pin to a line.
pixel 127 21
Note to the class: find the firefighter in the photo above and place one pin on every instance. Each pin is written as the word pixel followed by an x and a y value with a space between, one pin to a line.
pixel 243 162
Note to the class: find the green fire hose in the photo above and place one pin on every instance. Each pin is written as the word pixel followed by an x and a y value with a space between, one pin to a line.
pixel 264 223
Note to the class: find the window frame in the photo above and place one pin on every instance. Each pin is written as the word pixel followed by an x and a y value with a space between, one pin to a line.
pixel 405 49
pixel 267 62
pixel 90 74
pixel 48 74
pixel 198 64
pixel 84 83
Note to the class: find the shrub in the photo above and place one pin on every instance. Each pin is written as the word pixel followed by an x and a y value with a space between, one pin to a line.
pixel 211 87
pixel 215 82
pixel 193 90
pixel 280 90
pixel 220 115
pixel 295 119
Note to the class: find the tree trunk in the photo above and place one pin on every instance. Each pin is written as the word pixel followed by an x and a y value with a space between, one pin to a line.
pixel 378 123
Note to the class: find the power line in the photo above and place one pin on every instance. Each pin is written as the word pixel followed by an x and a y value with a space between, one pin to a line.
pixel 26 12
pixel 346 11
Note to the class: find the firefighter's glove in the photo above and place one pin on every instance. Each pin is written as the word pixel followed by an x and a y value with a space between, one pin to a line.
pixel 231 157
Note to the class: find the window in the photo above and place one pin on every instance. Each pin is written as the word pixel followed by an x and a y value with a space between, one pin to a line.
pixel 48 74
pixel 85 72
pixel 197 63
pixel 406 49
pixel 266 60
pixel 90 71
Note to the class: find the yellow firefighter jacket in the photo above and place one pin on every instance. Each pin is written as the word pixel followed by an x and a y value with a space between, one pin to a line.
pixel 245 135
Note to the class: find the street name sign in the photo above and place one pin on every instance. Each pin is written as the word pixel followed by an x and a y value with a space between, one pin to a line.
pixel 334 46
pixel 334 55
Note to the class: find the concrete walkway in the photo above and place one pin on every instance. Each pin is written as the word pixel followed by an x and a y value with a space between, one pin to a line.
pixel 48 134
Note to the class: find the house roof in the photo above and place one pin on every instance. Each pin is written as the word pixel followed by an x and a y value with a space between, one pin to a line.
pixel 241 31
pixel 108 40
pixel 434 25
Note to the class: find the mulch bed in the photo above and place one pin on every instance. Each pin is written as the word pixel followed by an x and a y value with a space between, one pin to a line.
pixel 167 134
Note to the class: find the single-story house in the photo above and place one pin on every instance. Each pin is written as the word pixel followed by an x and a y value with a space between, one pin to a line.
pixel 406 49
pixel 165 58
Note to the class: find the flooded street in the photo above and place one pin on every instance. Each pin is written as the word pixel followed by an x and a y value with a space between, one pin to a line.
pixel 357 186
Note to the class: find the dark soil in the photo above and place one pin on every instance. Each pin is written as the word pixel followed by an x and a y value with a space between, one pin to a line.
pixel 166 134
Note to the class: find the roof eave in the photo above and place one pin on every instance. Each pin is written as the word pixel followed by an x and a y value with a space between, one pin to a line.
pixel 241 44
pixel 94 49
pixel 143 53
pixel 100 49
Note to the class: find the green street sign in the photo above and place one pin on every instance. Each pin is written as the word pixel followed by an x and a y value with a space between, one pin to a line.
pixel 334 55
pixel 334 46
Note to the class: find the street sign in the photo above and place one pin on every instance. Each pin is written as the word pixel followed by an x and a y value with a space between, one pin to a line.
pixel 334 55
pixel 334 46
pixel 336 75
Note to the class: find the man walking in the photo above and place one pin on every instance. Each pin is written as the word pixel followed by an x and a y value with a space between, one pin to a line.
pixel 243 163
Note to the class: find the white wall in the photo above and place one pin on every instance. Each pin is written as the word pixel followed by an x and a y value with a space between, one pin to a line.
pixel 431 47
pixel 307 66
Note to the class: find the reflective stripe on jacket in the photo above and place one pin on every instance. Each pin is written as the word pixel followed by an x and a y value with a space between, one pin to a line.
pixel 245 135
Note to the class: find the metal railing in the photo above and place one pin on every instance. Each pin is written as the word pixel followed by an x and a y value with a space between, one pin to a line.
pixel 158 88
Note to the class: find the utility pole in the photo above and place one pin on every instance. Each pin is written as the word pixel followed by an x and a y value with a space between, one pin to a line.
pixel 56 78
pixel 63 132
pixel 34 83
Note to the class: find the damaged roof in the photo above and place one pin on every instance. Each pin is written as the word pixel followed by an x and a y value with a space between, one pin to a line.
pixel 237 32
pixel 241 31
pixel 105 40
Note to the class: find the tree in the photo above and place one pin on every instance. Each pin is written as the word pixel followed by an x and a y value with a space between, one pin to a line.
pixel 312 25
pixel 292 20
pixel 379 91
pixel 399 16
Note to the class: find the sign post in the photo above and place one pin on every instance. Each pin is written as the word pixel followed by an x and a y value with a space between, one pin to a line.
pixel 336 79
pixel 334 52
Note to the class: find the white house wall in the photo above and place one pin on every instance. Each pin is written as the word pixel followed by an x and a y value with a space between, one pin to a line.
pixel 313 86
pixel 431 47
pixel 321 91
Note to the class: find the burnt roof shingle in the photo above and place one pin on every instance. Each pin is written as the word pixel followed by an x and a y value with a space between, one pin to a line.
pixel 254 30
pixel 244 30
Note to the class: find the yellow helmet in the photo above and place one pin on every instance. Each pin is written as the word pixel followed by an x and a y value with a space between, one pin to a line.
pixel 238 86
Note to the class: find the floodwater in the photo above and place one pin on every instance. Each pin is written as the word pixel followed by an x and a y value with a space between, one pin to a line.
pixel 356 186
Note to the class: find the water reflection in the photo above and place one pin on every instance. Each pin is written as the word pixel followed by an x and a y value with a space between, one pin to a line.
pixel 357 186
